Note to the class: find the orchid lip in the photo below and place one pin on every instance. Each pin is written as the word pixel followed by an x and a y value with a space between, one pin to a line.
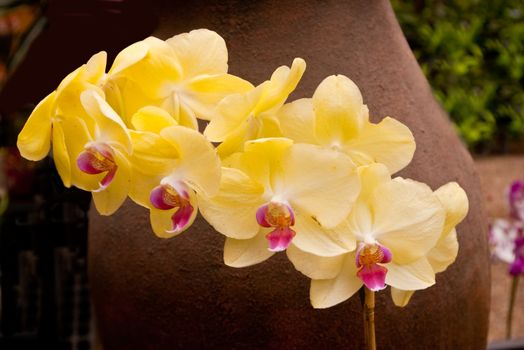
pixel 98 158
pixel 281 217
pixel 167 197
pixel 369 260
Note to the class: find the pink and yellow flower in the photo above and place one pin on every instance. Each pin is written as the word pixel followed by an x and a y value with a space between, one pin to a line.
pixel 251 115
pixel 404 236
pixel 97 148
pixel 336 117
pixel 273 192
pixel 45 124
pixel 185 75
pixel 171 163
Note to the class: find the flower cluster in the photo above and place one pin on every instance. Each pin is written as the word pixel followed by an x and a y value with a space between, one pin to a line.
pixel 506 236
pixel 312 177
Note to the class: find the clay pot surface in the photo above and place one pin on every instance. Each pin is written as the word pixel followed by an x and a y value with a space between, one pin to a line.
pixel 151 293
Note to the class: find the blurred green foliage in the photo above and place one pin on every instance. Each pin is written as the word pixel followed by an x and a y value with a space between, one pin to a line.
pixel 472 53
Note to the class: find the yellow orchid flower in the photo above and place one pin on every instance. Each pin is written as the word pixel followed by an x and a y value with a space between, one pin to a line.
pixel 170 163
pixel 44 126
pixel 242 117
pixel 455 202
pixel 269 193
pixel 186 75
pixel 337 117
pixel 396 223
pixel 97 146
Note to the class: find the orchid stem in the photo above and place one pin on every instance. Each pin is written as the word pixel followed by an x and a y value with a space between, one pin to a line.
pixel 509 320
pixel 369 319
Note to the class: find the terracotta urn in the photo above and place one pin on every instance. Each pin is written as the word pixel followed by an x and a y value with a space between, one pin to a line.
pixel 152 293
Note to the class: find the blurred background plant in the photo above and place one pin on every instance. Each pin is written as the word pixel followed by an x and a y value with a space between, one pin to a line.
pixel 472 53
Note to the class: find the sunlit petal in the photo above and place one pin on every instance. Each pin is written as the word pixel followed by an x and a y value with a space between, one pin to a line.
pixel 152 119
pixel 314 266
pixel 444 253
pixel 455 202
pixel 205 92
pixel 413 276
pixel 34 141
pixel 199 163
pixel 233 211
pixel 388 142
pixel 322 182
pixel 246 252
pixel 283 81
pixel 325 293
pixel 297 121
pixel 408 218
pixel 200 51
pixel 401 297
pixel 110 124
pixel 60 154
pixel 315 239
pixel 339 109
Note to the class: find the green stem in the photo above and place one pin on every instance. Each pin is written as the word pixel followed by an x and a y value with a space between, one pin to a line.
pixel 509 320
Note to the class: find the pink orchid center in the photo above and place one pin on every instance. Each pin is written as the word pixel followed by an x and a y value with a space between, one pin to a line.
pixel 166 197
pixel 369 260
pixel 96 159
pixel 516 200
pixel 517 267
pixel 281 217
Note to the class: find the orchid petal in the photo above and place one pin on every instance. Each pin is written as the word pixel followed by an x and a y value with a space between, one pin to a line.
pixel 60 154
pixel 150 63
pixel 128 57
pixel 232 211
pixel 297 121
pixel 389 142
pixel 79 136
pixel 231 114
pixel 322 182
pixel 371 176
pixel 408 218
pixel 199 163
pixel 313 238
pixel 141 186
pixel 455 202
pixel 339 109
pixel 152 154
pixel 444 253
pixel 325 293
pixel 126 98
pixel 152 119
pixel 283 81
pixel 34 141
pixel 95 68
pixel 262 159
pixel 401 297
pixel 201 51
pixel 110 124
pixel 413 276
pixel 108 199
pixel 205 92
pixel 246 252
pixel 314 266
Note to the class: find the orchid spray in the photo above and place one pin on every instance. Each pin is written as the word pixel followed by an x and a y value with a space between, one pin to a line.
pixel 313 178
pixel 506 237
